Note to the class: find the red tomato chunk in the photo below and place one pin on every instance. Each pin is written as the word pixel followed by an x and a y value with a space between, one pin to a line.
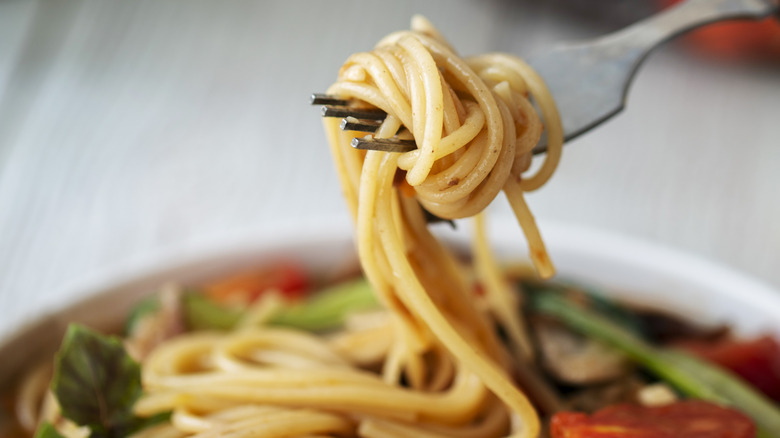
pixel 685 419
pixel 287 278
pixel 757 361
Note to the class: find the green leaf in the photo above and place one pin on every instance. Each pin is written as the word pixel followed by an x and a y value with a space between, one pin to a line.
pixel 97 383
pixel 95 380
pixel 131 425
pixel 46 430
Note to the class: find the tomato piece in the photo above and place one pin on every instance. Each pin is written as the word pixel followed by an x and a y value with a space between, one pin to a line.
pixel 685 419
pixel 289 278
pixel 736 39
pixel 756 360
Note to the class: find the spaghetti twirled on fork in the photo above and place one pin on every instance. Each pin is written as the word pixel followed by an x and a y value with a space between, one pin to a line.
pixel 442 369
pixel 475 128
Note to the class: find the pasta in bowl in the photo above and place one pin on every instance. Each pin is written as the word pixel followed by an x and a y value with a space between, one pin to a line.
pixel 424 339
pixel 620 268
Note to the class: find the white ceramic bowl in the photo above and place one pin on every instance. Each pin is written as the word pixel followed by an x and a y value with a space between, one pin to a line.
pixel 620 266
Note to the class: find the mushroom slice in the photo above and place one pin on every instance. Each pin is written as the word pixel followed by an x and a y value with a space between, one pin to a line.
pixel 574 359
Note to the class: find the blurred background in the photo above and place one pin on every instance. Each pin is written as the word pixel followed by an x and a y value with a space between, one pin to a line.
pixel 131 130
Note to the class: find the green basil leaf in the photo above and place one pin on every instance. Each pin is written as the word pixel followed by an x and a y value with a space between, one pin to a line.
pixel 96 382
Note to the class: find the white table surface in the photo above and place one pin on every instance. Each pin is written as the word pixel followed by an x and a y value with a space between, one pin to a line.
pixel 134 129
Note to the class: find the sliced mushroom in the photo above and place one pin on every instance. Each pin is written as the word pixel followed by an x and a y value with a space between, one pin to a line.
pixel 574 359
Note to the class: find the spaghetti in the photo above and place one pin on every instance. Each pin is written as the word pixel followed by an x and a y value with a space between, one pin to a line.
pixel 475 129
pixel 431 365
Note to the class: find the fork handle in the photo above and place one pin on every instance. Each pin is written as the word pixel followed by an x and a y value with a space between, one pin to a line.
pixel 590 80
pixel 689 15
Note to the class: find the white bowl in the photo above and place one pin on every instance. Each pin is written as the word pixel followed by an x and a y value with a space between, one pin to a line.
pixel 620 266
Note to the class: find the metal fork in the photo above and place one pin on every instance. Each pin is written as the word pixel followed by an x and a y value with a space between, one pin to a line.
pixel 588 80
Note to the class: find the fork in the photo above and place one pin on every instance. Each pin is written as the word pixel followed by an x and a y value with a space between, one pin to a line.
pixel 588 80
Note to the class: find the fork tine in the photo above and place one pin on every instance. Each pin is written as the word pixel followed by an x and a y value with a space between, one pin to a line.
pixel 384 144
pixel 333 106
pixel 369 119
pixel 327 99
pixel 361 119
pixel 352 124
pixel 358 113
pixel 433 219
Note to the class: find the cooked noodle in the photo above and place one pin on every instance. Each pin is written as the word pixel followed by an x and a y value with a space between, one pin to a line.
pixel 475 128
pixel 442 369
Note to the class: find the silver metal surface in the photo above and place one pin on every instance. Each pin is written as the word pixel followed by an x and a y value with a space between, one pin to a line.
pixel 384 144
pixel 590 80
pixel 353 124
pixel 347 111
pixel 326 99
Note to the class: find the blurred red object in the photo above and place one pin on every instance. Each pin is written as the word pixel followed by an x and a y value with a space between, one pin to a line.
pixel 755 360
pixel 736 40
pixel 684 419
pixel 286 277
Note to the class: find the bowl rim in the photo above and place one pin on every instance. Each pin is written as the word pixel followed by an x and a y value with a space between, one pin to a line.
pixel 575 248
